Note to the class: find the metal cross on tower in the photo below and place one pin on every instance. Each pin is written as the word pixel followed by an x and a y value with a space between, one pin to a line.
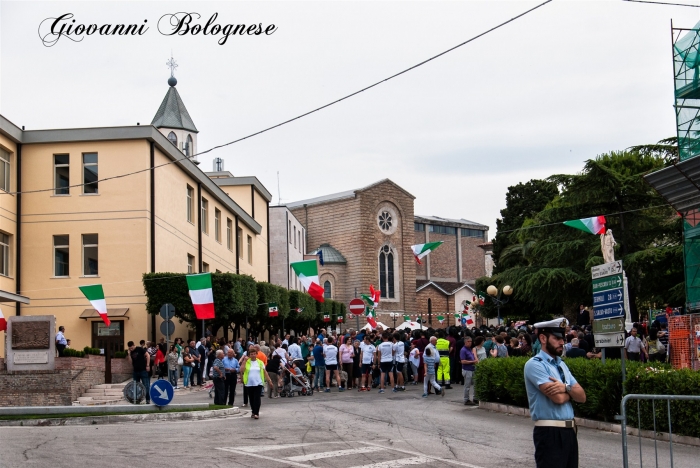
pixel 172 64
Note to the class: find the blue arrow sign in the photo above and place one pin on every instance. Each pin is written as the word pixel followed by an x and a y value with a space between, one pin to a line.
pixel 162 392
pixel 609 311
pixel 611 296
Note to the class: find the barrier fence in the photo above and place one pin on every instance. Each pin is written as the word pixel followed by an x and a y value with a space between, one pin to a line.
pixel 655 409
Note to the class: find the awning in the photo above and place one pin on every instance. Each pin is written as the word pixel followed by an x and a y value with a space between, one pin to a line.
pixel 6 296
pixel 679 184
pixel 92 313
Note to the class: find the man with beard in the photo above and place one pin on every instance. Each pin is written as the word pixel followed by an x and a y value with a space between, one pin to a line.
pixel 550 389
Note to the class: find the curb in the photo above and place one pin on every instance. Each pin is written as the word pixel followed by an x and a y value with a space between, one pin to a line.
pixel 593 424
pixel 124 418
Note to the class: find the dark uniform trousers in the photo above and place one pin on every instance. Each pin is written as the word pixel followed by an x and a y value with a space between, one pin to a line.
pixel 555 447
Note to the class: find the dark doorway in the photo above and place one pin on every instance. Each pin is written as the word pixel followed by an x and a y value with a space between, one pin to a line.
pixel 430 312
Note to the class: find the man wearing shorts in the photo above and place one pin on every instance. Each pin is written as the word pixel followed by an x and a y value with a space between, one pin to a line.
pixel 385 356
pixel 330 354
pixel 367 350
pixel 400 361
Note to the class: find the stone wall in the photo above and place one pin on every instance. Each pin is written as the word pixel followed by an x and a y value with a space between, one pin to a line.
pixel 72 377
pixel 440 305
pixel 473 259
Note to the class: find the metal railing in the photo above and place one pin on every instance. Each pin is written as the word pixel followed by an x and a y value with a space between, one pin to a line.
pixel 623 420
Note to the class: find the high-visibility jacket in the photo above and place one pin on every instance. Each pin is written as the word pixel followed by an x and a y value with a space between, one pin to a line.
pixel 247 370
pixel 443 347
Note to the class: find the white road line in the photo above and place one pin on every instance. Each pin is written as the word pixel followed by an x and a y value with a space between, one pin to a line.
pixel 336 453
pixel 275 460
pixel 407 452
pixel 265 448
pixel 399 462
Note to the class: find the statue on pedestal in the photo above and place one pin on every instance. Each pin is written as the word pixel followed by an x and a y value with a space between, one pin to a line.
pixel 607 245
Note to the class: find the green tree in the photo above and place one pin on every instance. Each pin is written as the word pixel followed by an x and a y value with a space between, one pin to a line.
pixel 553 272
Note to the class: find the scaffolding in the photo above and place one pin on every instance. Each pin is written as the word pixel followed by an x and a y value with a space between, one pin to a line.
pixel 686 68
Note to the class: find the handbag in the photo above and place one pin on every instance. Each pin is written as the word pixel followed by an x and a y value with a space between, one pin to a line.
pixel 180 361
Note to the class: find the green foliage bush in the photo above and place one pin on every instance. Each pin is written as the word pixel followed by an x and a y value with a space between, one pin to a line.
pixel 70 352
pixel 120 355
pixel 93 351
pixel 503 381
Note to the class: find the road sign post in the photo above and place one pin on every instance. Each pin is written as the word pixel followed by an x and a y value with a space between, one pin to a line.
pixel 610 308
pixel 161 392
pixel 167 328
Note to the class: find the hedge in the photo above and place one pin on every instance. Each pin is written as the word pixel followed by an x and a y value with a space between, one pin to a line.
pixel 503 381
pixel 120 355
pixel 70 352
pixel 93 351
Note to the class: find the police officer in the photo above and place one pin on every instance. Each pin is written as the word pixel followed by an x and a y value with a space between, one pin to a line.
pixel 550 389
pixel 443 348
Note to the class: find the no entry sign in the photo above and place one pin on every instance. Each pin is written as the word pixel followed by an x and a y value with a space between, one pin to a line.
pixel 357 307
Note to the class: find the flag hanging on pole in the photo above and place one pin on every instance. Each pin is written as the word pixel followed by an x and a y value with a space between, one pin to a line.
pixel 272 309
pixel 3 322
pixel 440 318
pixel 421 250
pixel 326 318
pixel 406 318
pixel 372 299
pixel 467 319
pixel 307 271
pixel 299 310
pixel 371 317
pixel 340 319
pixel 458 316
pixel 594 225
pixel 202 295
pixel 96 296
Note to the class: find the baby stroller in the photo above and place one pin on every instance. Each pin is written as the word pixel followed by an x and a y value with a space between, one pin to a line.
pixel 295 382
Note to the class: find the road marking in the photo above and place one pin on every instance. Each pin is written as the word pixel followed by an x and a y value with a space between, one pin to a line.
pixel 265 448
pixel 276 460
pixel 399 462
pixel 336 453
pixel 408 452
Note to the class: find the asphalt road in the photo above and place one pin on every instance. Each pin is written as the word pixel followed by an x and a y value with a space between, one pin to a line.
pixel 346 430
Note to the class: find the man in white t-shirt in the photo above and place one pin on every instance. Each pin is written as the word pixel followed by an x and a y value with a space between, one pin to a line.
pixel 294 350
pixel 367 350
pixel 634 347
pixel 385 356
pixel 399 360
pixel 330 355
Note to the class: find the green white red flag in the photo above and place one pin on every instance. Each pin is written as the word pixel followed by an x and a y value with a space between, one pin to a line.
pixel 421 250
pixel 406 318
pixel 202 295
pixel 340 319
pixel 441 318
pixel 3 322
pixel 326 318
pixel 371 317
pixel 96 296
pixel 272 309
pixel 594 225
pixel 307 271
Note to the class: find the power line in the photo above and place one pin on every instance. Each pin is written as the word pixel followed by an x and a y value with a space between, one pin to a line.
pixel 662 3
pixel 348 96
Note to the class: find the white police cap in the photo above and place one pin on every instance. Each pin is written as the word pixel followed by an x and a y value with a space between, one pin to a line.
pixel 556 327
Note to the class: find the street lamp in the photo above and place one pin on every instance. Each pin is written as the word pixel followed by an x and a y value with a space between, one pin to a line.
pixel 394 316
pixel 496 297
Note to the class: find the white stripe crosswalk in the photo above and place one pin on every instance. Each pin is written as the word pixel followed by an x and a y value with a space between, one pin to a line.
pixel 335 453
pixel 399 462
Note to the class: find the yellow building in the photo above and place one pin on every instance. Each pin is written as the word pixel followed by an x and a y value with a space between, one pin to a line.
pixel 83 223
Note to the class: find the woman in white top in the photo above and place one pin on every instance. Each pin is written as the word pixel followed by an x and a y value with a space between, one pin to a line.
pixel 479 350
pixel 254 376
pixel 414 359
pixel 330 355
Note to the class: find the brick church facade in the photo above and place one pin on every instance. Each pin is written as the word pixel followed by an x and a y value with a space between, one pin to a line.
pixel 365 236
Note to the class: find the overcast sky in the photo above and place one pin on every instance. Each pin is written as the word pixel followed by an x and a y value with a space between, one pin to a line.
pixel 537 97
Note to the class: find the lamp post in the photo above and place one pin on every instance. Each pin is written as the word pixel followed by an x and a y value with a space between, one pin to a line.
pixel 393 316
pixel 496 297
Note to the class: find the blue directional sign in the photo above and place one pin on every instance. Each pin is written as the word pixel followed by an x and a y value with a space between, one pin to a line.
pixel 162 392
pixel 609 311
pixel 611 296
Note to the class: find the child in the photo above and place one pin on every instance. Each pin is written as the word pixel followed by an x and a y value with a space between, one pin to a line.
pixel 429 361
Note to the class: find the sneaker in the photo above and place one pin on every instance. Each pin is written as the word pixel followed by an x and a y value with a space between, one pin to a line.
pixel 425 395
pixel 394 390
pixel 328 390
pixel 381 390
pixel 402 389
pixel 468 403
pixel 341 389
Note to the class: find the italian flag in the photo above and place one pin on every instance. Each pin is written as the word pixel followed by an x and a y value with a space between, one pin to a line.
pixel 299 310
pixel 406 318
pixel 441 318
pixel 307 271
pixel 340 319
pixel 96 296
pixel 272 308
pixel 3 322
pixel 470 321
pixel 371 317
pixel 326 318
pixel 594 225
pixel 202 295
pixel 458 316
pixel 421 250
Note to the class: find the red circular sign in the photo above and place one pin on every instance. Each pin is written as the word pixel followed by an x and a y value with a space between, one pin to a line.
pixel 357 307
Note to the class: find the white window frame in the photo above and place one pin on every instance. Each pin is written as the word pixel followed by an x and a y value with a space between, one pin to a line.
pixel 190 264
pixel 55 173
pixel 54 247
pixel 190 204
pixel 96 246
pixel 250 250
pixel 5 248
pixel 217 225
pixel 229 234
pixel 95 184
pixel 204 203
pixel 5 162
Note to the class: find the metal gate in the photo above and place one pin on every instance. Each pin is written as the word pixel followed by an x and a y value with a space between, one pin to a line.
pixel 657 425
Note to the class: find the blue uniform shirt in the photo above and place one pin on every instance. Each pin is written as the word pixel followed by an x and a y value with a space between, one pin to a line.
pixel 538 373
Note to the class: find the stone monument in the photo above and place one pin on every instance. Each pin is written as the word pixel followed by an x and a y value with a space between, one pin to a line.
pixel 607 246
pixel 30 343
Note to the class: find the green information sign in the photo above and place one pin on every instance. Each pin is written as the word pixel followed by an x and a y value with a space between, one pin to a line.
pixel 613 325
pixel 607 282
